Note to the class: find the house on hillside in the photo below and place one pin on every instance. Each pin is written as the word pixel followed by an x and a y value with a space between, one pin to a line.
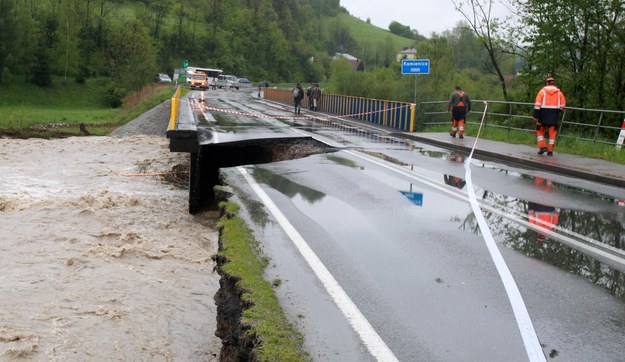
pixel 406 53
pixel 356 63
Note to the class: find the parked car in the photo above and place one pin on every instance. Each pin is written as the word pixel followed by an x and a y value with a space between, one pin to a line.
pixel 226 81
pixel 243 83
pixel 162 78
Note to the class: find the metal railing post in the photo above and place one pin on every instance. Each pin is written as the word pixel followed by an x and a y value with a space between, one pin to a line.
pixel 561 124
pixel 509 116
pixel 597 128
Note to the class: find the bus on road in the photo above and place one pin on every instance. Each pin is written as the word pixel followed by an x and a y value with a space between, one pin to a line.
pixel 212 74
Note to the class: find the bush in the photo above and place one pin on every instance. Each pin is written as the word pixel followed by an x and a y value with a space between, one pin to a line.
pixel 7 77
pixel 112 94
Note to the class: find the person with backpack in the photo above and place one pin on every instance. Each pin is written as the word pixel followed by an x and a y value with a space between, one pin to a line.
pixel 459 105
pixel 298 95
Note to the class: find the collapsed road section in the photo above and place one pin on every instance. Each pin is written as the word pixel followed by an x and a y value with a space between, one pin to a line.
pixel 228 141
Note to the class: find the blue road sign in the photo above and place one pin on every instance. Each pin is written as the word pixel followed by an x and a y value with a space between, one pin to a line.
pixel 415 66
pixel 415 197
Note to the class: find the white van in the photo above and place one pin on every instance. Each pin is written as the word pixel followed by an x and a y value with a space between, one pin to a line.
pixel 226 81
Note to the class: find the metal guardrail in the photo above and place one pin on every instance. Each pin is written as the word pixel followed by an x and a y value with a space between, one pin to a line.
pixel 592 125
pixel 182 128
pixel 386 113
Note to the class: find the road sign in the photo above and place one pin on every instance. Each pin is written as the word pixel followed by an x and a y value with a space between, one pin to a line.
pixel 415 66
pixel 415 197
pixel 185 63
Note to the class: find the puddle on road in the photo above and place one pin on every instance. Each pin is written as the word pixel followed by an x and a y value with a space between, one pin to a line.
pixel 343 161
pixel 604 226
pixel 603 223
pixel 286 186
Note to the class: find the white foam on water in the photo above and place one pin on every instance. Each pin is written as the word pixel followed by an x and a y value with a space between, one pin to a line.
pixel 98 262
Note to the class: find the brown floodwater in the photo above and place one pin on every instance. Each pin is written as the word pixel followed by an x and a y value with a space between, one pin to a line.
pixel 99 258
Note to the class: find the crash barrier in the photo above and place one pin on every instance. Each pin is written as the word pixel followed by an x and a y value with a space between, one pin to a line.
pixel 175 108
pixel 182 128
pixel 392 114
pixel 592 125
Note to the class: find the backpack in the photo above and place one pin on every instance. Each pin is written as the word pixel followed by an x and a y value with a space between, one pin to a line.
pixel 295 92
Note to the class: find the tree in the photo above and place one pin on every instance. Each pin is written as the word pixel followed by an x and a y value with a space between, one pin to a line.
pixel 341 40
pixel 581 44
pixel 7 31
pixel 387 52
pixel 467 47
pixel 46 40
pixel 65 52
pixel 158 11
pixel 131 55
pixel 401 30
pixel 478 14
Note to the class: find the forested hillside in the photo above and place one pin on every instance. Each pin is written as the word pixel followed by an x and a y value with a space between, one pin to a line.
pixel 128 41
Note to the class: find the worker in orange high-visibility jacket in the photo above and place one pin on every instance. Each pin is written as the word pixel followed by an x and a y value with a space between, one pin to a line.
pixel 550 101
pixel 459 105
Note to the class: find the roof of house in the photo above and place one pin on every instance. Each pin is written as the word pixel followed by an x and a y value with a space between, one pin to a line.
pixel 408 51
pixel 345 55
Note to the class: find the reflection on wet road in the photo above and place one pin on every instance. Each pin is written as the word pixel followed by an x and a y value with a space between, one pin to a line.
pixel 599 217
pixel 390 220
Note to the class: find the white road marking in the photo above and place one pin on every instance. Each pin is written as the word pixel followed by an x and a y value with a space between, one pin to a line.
pixel 359 323
pixel 524 322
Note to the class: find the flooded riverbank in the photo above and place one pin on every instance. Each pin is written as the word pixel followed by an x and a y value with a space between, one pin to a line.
pixel 100 258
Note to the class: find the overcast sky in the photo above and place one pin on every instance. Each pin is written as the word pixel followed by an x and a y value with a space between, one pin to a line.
pixel 426 16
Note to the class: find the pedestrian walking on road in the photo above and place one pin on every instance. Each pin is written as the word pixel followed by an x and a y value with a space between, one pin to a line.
pixel 310 103
pixel 459 105
pixel 315 96
pixel 298 95
pixel 550 101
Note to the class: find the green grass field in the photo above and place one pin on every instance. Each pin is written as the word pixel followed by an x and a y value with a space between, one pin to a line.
pixel 368 33
pixel 25 105
pixel 30 111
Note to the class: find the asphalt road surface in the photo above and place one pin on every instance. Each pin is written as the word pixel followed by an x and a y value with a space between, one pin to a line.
pixel 383 255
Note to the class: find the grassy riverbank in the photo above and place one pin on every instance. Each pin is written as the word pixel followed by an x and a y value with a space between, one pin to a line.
pixel 254 317
pixel 58 111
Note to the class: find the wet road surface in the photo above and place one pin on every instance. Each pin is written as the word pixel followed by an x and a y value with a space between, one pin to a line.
pixel 388 218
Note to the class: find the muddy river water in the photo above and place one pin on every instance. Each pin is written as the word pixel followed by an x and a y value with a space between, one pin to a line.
pixel 99 258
